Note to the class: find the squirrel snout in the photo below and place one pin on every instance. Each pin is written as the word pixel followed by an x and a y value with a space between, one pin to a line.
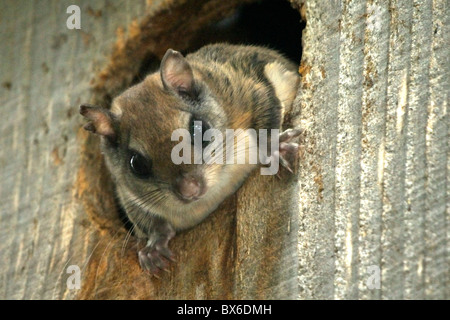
pixel 190 187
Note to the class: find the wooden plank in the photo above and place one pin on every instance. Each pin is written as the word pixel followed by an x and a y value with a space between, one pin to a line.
pixel 319 70
pixel 45 72
pixel 373 116
pixel 378 130
pixel 437 187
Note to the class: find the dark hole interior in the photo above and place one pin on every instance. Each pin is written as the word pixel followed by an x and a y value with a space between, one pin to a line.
pixel 270 23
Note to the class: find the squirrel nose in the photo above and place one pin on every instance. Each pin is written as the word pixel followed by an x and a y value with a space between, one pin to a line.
pixel 190 187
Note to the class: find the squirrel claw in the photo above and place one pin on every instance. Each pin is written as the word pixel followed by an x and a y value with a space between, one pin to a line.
pixel 288 154
pixel 154 258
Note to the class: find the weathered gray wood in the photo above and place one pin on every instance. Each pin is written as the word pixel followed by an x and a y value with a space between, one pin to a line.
pixel 45 71
pixel 373 182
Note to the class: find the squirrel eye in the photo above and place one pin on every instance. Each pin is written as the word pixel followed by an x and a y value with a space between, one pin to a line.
pixel 198 126
pixel 140 166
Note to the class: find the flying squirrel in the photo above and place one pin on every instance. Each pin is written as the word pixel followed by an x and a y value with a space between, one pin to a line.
pixel 219 87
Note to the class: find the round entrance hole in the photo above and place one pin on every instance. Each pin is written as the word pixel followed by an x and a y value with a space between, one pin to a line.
pixel 184 26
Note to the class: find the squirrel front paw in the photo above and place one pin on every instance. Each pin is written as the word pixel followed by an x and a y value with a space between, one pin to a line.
pixel 288 154
pixel 156 256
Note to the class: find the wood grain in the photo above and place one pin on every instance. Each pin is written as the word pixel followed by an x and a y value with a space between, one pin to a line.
pixel 372 187
pixel 374 179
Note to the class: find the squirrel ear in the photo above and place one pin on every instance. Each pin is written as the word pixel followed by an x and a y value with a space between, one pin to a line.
pixel 101 120
pixel 176 73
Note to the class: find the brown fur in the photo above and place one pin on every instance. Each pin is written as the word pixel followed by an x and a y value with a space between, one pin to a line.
pixel 112 271
pixel 236 91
